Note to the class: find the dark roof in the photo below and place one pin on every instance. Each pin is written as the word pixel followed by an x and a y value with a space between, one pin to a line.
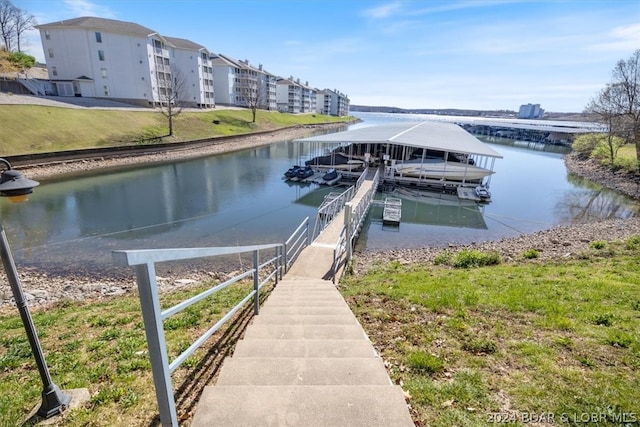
pixel 109 25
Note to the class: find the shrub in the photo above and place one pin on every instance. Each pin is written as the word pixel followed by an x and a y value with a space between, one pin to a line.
pixel 585 144
pixel 443 258
pixel 425 362
pixel 632 242
pixel 474 258
pixel 480 346
pixel 625 164
pixel 530 254
pixel 603 319
pixel 598 244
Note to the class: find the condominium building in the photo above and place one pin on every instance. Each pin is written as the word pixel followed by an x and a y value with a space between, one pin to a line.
pixel 289 95
pixel 239 83
pixel 124 61
pixel 332 103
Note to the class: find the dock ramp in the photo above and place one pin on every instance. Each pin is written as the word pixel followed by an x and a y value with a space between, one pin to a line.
pixel 305 360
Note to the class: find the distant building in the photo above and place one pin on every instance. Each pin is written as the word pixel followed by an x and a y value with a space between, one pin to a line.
pixel 289 95
pixel 237 83
pixel 530 111
pixel 332 103
pixel 124 61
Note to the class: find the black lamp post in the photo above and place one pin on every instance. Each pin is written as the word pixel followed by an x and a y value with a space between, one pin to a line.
pixel 16 187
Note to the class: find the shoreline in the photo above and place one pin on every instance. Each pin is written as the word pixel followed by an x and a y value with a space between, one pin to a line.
pixel 557 243
pixel 53 170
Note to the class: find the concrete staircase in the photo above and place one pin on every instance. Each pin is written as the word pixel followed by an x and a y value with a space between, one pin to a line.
pixel 304 361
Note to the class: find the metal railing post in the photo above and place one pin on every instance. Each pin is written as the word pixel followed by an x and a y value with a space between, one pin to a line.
pixel 348 214
pixel 256 283
pixel 286 258
pixel 154 330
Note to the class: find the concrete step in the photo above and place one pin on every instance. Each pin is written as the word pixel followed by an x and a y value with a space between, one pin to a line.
pixel 297 371
pixel 287 301
pixel 287 332
pixel 305 284
pixel 328 310
pixel 302 291
pixel 305 319
pixel 319 406
pixel 304 348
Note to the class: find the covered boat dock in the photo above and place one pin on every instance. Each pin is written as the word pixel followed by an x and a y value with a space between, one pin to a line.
pixel 431 155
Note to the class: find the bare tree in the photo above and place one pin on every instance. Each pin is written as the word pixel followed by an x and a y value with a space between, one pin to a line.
pixel 8 14
pixel 14 22
pixel 605 106
pixel 169 89
pixel 626 84
pixel 23 22
pixel 251 96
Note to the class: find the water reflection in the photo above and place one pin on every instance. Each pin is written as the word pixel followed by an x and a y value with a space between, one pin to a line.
pixel 240 198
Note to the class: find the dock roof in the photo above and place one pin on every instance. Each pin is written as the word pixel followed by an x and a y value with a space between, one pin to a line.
pixel 427 134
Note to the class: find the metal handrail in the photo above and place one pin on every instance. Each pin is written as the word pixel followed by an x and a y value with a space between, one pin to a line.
pixel 144 262
pixel 325 214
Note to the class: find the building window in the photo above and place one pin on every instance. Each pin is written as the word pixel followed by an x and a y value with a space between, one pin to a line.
pixel 106 90
pixel 54 71
pixel 101 55
pixel 50 53
pixel 103 73
pixel 47 35
pixel 98 37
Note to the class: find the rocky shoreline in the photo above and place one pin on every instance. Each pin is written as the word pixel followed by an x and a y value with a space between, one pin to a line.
pixel 560 242
pixel 556 243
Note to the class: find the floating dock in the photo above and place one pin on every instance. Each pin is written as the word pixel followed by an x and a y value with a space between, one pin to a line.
pixel 392 211
pixel 467 193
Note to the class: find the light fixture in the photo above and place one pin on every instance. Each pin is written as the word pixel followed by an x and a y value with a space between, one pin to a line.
pixel 15 186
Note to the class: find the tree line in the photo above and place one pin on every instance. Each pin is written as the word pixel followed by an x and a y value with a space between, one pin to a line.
pixel 617 105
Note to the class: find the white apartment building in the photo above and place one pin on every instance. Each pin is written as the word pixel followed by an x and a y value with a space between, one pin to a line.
pixel 240 84
pixel 124 61
pixel 332 103
pixel 289 96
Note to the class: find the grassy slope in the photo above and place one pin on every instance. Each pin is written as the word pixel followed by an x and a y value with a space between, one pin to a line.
pixel 34 129
pixel 466 344
pixel 512 341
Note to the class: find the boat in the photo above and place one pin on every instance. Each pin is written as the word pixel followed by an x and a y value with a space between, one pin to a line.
pixel 482 192
pixel 439 169
pixel 304 172
pixel 291 172
pixel 331 177
pixel 336 161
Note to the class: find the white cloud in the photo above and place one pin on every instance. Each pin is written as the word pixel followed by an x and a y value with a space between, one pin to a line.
pixel 86 8
pixel 383 11
pixel 620 39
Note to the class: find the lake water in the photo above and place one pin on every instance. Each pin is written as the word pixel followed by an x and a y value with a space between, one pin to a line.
pixel 240 198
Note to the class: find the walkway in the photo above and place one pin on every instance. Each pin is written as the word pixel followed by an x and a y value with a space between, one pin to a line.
pixel 305 360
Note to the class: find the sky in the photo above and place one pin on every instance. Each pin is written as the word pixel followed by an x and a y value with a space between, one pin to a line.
pixel 465 54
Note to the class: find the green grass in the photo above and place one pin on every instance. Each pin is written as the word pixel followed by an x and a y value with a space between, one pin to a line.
pixel 102 346
pixel 560 338
pixel 36 129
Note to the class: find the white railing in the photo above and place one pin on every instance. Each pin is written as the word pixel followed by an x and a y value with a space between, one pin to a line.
pixel 144 262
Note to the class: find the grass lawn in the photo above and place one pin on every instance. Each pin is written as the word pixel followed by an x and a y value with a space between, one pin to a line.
pixel 471 346
pixel 510 343
pixel 36 129
pixel 101 346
